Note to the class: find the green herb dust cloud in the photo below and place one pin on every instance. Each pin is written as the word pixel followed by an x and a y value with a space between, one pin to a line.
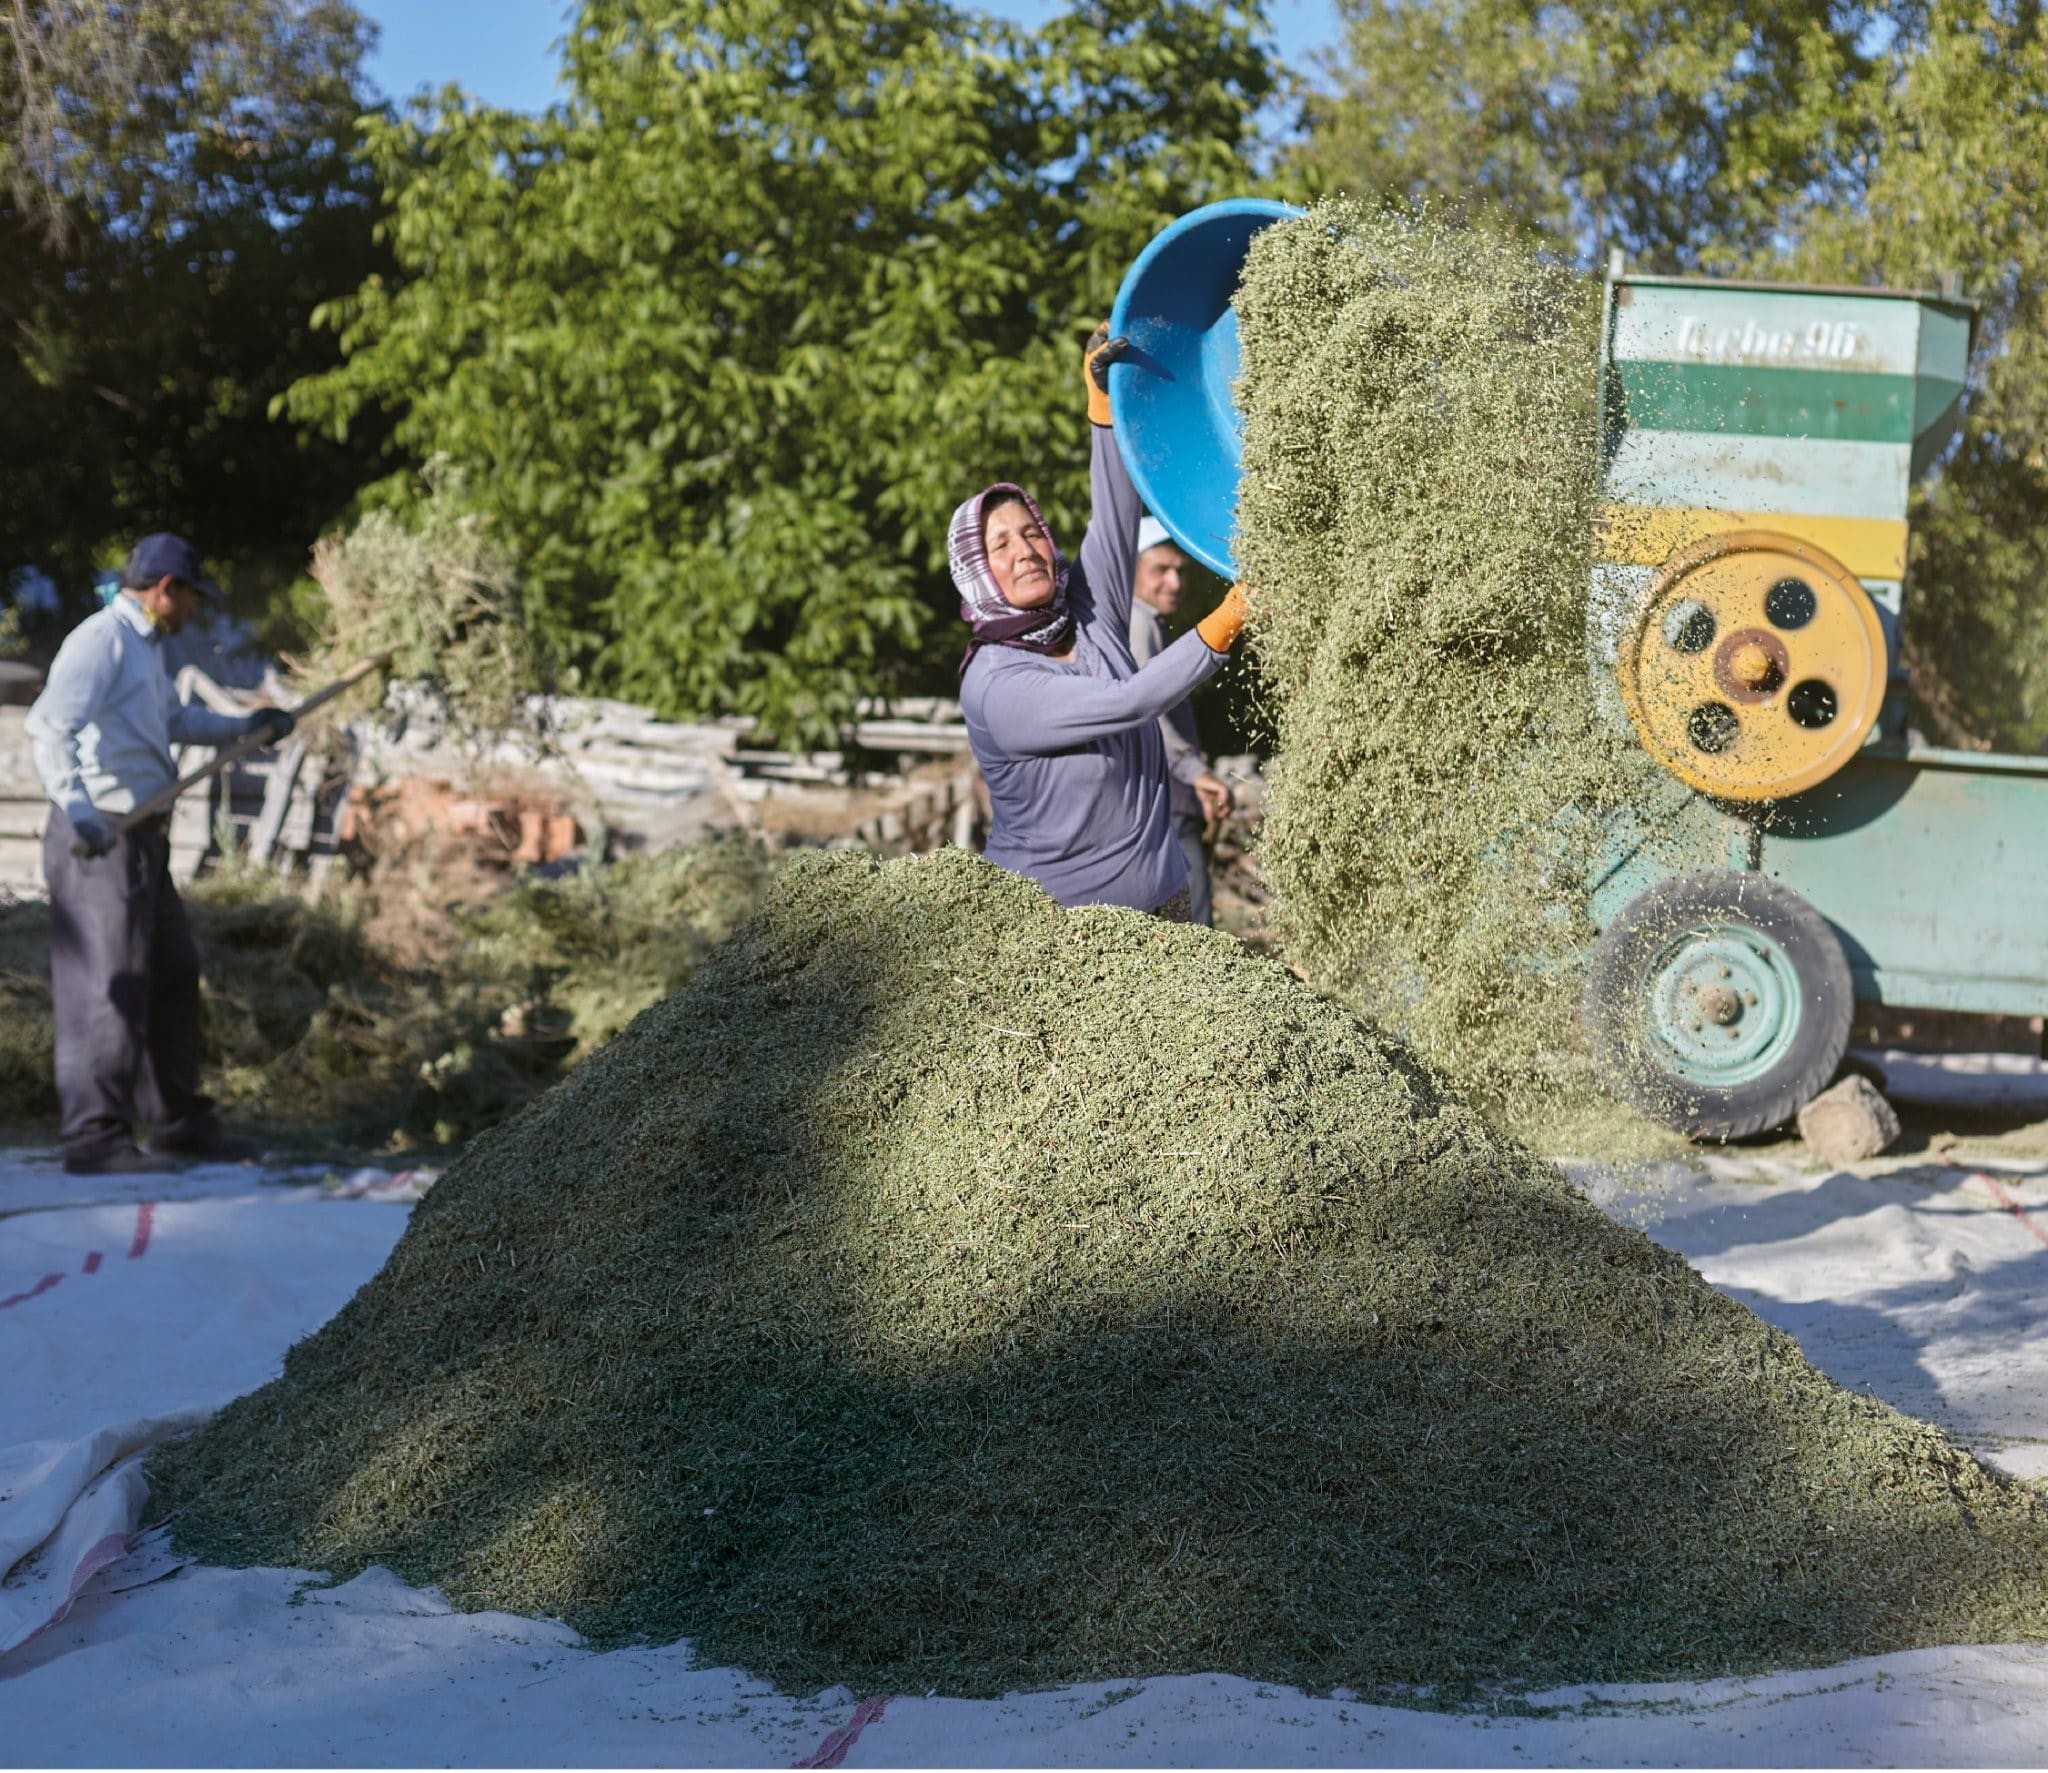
pixel 1416 515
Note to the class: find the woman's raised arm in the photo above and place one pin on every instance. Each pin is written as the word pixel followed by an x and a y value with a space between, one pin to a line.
pixel 1036 713
pixel 1109 551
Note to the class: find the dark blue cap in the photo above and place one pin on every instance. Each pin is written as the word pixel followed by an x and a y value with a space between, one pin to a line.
pixel 154 556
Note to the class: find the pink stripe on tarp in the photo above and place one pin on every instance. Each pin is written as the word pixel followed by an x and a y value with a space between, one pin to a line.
pixel 145 1223
pixel 42 1286
pixel 2016 1208
pixel 832 1751
pixel 97 1556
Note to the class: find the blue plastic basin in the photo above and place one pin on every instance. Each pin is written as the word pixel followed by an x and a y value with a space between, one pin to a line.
pixel 1170 397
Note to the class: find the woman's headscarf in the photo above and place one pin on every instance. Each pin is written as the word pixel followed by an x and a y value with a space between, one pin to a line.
pixel 995 620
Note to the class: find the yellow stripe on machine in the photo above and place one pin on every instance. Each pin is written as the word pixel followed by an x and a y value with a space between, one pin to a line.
pixel 1649 535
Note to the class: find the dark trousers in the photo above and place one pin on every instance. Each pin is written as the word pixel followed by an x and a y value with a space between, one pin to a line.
pixel 124 977
pixel 1187 832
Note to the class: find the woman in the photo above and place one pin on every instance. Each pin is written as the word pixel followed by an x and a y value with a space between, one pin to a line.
pixel 1063 723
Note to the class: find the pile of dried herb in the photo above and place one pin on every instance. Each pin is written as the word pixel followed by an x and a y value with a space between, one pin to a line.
pixel 945 1291
pixel 1416 515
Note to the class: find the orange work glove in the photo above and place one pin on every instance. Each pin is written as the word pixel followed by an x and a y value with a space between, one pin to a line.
pixel 1220 628
pixel 1101 352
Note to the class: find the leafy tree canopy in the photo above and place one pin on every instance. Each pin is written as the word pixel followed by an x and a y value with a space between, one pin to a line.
pixel 177 193
pixel 1677 132
pixel 143 114
pixel 1960 182
pixel 720 342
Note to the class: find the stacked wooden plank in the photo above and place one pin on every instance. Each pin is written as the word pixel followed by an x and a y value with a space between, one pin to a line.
pixel 21 809
pixel 630 780
pixel 278 808
pixel 930 811
pixel 651 782
pixel 876 748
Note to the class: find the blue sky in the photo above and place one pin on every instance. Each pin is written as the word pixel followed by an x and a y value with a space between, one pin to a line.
pixel 500 50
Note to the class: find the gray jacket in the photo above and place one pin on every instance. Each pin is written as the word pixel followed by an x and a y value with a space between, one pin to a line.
pixel 1071 752
pixel 102 730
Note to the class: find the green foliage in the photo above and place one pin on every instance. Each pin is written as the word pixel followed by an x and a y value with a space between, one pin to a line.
pixel 1961 184
pixel 1869 143
pixel 1678 133
pixel 1420 479
pixel 945 1291
pixel 145 113
pixel 325 1018
pixel 176 194
pixel 720 342
pixel 28 1028
pixel 436 591
pixel 598 947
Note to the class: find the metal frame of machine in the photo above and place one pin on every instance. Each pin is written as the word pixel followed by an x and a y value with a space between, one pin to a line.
pixel 1762 440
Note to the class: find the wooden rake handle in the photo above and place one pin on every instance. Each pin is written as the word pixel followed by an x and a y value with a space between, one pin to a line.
pixel 233 754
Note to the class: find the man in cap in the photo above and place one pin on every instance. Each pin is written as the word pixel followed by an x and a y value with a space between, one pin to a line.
pixel 124 970
pixel 1196 797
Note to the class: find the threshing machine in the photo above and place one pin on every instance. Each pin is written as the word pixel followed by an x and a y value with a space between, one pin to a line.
pixel 1758 445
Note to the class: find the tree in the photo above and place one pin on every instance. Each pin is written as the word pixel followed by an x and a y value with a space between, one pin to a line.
pixel 1681 133
pixel 144 112
pixel 1959 183
pixel 721 341
pixel 177 193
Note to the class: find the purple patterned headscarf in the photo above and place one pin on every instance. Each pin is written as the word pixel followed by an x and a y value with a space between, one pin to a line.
pixel 996 621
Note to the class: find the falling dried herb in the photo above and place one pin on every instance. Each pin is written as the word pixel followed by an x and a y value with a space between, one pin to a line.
pixel 1416 515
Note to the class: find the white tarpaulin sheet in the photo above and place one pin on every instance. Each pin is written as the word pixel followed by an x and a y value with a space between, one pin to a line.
pixel 120 1320
pixel 124 1321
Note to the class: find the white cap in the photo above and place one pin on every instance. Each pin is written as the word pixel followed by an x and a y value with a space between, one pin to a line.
pixel 1151 532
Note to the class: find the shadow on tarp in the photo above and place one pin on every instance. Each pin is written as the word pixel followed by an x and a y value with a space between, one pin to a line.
pixel 1868 1335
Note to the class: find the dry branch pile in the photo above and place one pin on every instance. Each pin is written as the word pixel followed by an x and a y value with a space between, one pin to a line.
pixel 405 1008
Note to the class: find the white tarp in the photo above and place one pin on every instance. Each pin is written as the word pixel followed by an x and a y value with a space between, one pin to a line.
pixel 1925 1284
pixel 133 1318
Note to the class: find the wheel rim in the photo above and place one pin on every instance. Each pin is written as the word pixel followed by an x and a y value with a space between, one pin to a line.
pixel 1754 667
pixel 1723 1005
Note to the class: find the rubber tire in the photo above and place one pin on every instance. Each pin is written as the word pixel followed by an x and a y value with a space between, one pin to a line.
pixel 1618 972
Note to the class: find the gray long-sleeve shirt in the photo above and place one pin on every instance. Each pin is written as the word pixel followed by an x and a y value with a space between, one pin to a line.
pixel 1070 750
pixel 1184 760
pixel 103 728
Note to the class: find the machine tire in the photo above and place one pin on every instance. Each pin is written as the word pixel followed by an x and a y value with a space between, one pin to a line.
pixel 1764 952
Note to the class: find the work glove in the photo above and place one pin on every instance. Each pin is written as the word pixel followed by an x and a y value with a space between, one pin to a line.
pixel 268 724
pixel 1102 351
pixel 1220 628
pixel 93 835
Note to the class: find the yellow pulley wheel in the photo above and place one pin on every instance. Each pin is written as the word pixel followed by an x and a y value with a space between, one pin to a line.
pixel 1754 667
